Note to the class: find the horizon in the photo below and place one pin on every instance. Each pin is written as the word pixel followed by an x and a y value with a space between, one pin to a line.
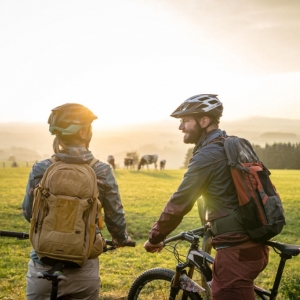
pixel 161 138
pixel 169 121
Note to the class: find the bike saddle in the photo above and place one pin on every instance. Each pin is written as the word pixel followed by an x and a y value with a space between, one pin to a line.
pixel 285 248
pixel 54 274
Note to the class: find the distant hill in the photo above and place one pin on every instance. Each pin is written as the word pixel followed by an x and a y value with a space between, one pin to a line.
pixel 31 141
pixel 261 130
pixel 270 137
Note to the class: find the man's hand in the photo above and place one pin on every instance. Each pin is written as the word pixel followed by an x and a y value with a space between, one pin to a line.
pixel 153 247
pixel 123 244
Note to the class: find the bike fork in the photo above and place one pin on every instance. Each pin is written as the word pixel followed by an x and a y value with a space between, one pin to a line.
pixel 181 280
pixel 175 286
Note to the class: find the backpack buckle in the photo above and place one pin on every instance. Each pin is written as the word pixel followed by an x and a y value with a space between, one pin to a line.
pixel 90 201
pixel 45 193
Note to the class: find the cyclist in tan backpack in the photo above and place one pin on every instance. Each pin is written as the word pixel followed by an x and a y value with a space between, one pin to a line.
pixel 63 199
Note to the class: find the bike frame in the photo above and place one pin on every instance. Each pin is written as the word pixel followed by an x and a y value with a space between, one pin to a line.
pixel 199 259
pixel 196 258
pixel 272 294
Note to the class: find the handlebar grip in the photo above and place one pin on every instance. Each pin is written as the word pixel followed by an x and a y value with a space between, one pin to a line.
pixel 20 235
pixel 113 244
pixel 109 243
pixel 130 244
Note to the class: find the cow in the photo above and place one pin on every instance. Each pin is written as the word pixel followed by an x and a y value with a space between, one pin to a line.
pixel 162 164
pixel 147 160
pixel 128 163
pixel 111 161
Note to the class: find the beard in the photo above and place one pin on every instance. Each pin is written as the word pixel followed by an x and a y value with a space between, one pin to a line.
pixel 193 135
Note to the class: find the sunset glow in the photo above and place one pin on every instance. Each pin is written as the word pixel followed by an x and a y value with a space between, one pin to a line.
pixel 135 61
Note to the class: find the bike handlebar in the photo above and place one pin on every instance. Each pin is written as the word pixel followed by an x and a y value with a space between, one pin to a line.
pixel 113 244
pixel 19 235
pixel 24 235
pixel 188 235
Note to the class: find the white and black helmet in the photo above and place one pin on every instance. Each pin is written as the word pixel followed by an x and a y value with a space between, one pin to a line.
pixel 203 104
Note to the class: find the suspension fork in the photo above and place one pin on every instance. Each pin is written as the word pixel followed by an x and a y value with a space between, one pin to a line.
pixel 175 285
pixel 190 275
pixel 183 281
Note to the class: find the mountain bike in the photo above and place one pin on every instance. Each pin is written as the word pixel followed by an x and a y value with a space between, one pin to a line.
pixel 55 274
pixel 161 283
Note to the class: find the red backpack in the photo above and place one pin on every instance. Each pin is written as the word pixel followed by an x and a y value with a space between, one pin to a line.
pixel 260 208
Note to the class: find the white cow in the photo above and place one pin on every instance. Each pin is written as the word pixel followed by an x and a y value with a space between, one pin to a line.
pixel 147 160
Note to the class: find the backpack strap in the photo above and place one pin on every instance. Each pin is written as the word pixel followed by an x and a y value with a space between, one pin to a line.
pixel 52 159
pixel 227 224
pixel 99 204
pixel 219 140
pixel 92 162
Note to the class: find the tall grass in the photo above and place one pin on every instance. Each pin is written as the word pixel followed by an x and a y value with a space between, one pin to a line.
pixel 144 195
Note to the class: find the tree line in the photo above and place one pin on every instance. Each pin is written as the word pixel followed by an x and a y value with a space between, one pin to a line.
pixel 279 155
pixel 276 156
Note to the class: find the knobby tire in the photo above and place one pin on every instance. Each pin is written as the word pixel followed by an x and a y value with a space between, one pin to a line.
pixel 154 284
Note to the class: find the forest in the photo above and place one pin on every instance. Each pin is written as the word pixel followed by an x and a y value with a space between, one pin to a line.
pixel 279 155
pixel 275 156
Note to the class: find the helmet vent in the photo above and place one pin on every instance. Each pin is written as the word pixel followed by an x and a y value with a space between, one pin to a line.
pixel 200 104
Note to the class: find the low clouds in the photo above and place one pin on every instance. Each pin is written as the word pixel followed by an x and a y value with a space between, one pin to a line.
pixel 264 34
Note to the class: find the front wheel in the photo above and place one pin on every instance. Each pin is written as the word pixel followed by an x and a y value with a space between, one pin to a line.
pixel 155 284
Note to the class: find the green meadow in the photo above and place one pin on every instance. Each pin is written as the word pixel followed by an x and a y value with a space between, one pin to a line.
pixel 144 195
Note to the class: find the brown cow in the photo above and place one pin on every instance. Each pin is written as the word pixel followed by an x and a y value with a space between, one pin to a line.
pixel 162 164
pixel 128 163
pixel 111 161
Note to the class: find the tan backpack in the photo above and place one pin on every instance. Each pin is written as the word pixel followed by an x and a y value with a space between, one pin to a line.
pixel 65 215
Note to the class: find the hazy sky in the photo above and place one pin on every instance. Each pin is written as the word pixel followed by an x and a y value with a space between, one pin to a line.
pixel 135 61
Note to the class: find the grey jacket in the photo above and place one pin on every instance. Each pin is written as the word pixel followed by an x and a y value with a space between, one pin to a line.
pixel 209 176
pixel 109 196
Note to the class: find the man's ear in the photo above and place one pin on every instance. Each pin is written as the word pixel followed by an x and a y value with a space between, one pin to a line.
pixel 204 121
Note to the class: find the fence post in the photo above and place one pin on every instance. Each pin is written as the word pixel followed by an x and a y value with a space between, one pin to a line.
pixel 4 165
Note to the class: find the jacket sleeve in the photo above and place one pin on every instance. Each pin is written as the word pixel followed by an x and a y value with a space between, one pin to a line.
pixel 183 200
pixel 35 177
pixel 28 198
pixel 109 196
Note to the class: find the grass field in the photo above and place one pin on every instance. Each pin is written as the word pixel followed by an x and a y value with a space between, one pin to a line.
pixel 144 195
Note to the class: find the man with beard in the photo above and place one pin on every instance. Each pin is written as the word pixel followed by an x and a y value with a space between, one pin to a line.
pixel 238 259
